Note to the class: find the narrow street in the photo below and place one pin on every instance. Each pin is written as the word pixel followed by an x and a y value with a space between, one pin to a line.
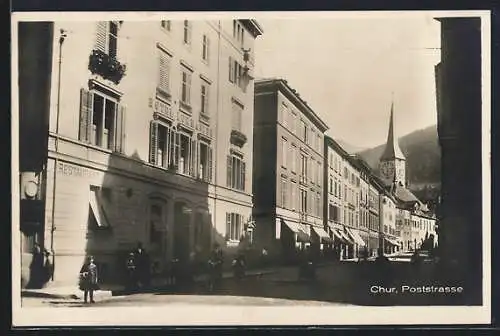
pixel 347 283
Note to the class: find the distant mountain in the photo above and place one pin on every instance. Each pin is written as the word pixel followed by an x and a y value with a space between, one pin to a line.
pixel 351 149
pixel 423 157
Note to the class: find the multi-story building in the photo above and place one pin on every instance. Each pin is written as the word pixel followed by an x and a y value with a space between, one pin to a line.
pixel 388 219
pixel 375 189
pixel 150 140
pixel 365 201
pixel 334 201
pixel 288 169
pixel 351 185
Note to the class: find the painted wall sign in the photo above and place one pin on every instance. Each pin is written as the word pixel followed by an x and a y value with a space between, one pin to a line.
pixel 72 170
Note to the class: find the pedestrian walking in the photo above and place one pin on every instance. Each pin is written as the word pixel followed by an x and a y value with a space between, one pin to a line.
pixel 131 272
pixel 215 264
pixel 89 279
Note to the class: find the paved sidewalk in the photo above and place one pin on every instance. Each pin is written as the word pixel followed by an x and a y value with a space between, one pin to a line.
pixel 65 292
pixel 74 293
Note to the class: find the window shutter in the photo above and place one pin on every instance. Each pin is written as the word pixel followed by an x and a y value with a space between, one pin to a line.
pixel 86 107
pixel 208 49
pixel 153 142
pixel 120 129
pixel 164 71
pixel 207 99
pixel 101 36
pixel 194 158
pixel 231 70
pixel 229 170
pixel 188 87
pixel 210 163
pixel 189 28
pixel 177 146
pixel 243 176
pixel 113 129
pixel 228 224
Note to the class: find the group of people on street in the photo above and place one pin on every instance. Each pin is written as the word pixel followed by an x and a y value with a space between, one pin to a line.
pixel 138 269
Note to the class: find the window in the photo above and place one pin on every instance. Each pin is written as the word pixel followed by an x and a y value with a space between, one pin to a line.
pixel 205 98
pixel 303 200
pixel 237 115
pixel 293 200
pixel 318 176
pixel 236 72
pixel 238 32
pixel 165 146
pixel 284 150
pixel 206 48
pixel 234 226
pixel 284 192
pixel 187 32
pixel 235 172
pixel 186 161
pixel 174 150
pixel 294 157
pixel 165 24
pixel 186 86
pixel 283 114
pixel 303 167
pixel 107 37
pixel 205 161
pixel 318 204
pixel 294 123
pixel 102 120
pixel 331 186
pixel 163 85
pixel 304 131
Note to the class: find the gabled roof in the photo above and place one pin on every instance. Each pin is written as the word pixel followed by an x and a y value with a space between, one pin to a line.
pixel 405 195
pixel 392 150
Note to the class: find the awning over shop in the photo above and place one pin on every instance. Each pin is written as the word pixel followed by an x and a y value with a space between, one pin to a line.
pixel 337 234
pixel 356 237
pixel 392 241
pixel 98 211
pixel 346 237
pixel 322 234
pixel 303 237
pixel 291 225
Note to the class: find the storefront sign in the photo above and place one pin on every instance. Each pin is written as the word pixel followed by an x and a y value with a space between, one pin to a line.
pixel 72 170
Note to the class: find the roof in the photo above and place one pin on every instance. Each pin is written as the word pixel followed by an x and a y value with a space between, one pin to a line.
pixel 405 195
pixel 392 150
pixel 282 85
pixel 253 26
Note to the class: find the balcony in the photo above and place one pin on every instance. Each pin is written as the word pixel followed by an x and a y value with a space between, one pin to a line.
pixel 185 120
pixel 163 110
pixel 204 130
pixel 106 66
pixel 238 138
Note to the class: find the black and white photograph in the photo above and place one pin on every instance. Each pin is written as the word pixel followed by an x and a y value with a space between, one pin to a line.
pixel 210 168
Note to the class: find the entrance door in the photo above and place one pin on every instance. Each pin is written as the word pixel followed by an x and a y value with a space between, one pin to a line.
pixel 182 220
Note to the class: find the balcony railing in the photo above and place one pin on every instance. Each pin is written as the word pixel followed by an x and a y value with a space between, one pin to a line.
pixel 163 109
pixel 185 120
pixel 238 138
pixel 204 130
pixel 106 66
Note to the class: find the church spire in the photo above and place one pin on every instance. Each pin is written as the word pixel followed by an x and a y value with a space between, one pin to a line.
pixel 392 150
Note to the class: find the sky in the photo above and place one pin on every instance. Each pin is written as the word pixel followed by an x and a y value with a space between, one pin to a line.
pixel 350 69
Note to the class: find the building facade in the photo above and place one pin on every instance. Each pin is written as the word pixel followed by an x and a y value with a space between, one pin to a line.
pixel 335 217
pixel 460 129
pixel 150 141
pixel 288 170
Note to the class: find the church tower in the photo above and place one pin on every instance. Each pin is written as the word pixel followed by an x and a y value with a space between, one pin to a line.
pixel 392 164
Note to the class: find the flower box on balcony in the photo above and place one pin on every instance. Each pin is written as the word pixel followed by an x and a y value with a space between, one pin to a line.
pixel 106 66
pixel 238 138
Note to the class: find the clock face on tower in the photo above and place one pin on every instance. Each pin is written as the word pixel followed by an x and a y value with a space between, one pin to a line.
pixel 387 170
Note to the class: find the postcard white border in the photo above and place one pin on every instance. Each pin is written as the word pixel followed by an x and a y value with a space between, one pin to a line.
pixel 198 315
